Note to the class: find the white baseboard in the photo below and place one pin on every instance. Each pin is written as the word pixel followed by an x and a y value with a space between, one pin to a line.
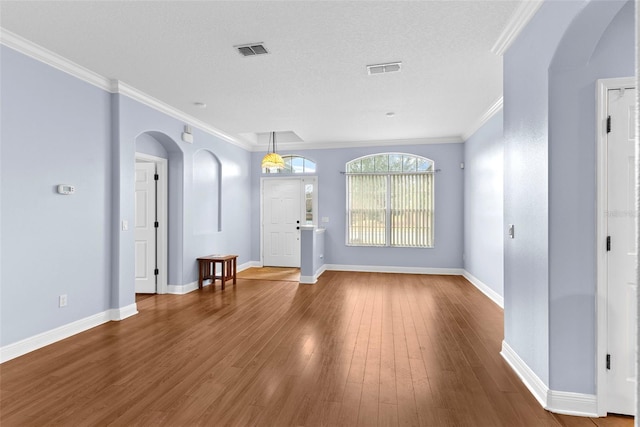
pixel 536 386
pixel 561 402
pixel 190 287
pixel 123 312
pixel 27 345
pixel 248 264
pixel 578 404
pixel 392 269
pixel 310 280
pixel 184 289
pixel 482 287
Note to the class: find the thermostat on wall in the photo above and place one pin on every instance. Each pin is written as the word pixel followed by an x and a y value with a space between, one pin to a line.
pixel 66 189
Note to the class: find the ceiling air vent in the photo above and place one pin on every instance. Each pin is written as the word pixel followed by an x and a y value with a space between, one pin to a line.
pixel 391 67
pixel 252 49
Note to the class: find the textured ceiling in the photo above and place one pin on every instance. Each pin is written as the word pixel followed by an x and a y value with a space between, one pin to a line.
pixel 314 81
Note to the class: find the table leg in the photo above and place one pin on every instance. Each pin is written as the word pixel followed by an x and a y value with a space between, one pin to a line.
pixel 233 263
pixel 222 276
pixel 200 273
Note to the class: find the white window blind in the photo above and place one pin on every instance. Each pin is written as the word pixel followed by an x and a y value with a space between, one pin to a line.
pixel 411 210
pixel 390 201
pixel 367 210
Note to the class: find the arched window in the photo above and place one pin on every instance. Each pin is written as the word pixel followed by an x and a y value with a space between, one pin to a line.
pixel 390 200
pixel 294 164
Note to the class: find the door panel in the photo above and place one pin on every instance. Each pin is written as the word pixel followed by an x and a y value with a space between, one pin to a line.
pixel 281 216
pixel 145 232
pixel 621 259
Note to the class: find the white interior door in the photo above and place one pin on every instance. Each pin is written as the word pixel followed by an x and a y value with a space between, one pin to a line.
pixel 145 231
pixel 281 217
pixel 621 258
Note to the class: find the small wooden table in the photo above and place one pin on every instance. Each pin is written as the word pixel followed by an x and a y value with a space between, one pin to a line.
pixel 207 269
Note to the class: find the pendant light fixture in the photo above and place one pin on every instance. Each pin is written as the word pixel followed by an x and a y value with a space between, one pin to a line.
pixel 272 159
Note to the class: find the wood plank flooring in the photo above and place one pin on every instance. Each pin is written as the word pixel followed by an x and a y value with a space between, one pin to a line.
pixel 290 274
pixel 355 349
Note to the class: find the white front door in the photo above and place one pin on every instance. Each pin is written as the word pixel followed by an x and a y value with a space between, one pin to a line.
pixel 621 256
pixel 281 220
pixel 145 230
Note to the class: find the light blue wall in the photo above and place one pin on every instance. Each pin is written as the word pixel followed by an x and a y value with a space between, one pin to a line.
pixel 526 258
pixel 55 130
pixel 448 235
pixel 582 58
pixel 311 250
pixel 483 204
pixel 134 119
pixel 147 144
pixel 549 193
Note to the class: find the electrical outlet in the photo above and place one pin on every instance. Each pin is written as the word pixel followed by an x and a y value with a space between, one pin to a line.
pixel 62 301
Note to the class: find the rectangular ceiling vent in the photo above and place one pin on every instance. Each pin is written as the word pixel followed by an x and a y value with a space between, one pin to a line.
pixel 252 49
pixel 391 67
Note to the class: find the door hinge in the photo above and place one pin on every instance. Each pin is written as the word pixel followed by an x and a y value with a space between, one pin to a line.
pixel 608 243
pixel 156 272
pixel 609 361
pixel 608 124
pixel 156 177
pixel 156 224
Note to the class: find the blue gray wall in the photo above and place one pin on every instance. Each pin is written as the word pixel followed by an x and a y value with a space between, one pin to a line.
pixel 448 235
pixel 582 58
pixel 57 129
pixel 547 302
pixel 483 204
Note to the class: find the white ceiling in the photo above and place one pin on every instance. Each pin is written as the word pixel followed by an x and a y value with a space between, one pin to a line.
pixel 314 82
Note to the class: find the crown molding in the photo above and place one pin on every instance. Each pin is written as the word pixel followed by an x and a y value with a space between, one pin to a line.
pixel 58 62
pixel 63 64
pixel 48 57
pixel 122 88
pixel 355 144
pixel 497 106
pixel 520 18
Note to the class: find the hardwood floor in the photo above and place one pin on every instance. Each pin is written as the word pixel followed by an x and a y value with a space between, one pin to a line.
pixel 354 349
pixel 289 274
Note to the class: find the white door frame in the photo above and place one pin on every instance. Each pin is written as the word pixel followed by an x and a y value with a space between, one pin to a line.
pixel 602 88
pixel 161 200
pixel 300 178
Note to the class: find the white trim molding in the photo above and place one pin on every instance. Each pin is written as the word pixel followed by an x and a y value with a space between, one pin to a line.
pixel 392 269
pixel 577 404
pixel 190 287
pixel 520 18
pixel 561 402
pixel 484 288
pixel 249 264
pixel 602 88
pixel 119 87
pixel 536 386
pixel 122 313
pixel 184 289
pixel 27 345
pixel 58 62
pixel 310 280
pixel 492 111
pixel 162 194
pixel 381 143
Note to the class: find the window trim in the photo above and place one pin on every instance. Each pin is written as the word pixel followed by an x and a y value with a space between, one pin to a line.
pixel 388 228
pixel 292 173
